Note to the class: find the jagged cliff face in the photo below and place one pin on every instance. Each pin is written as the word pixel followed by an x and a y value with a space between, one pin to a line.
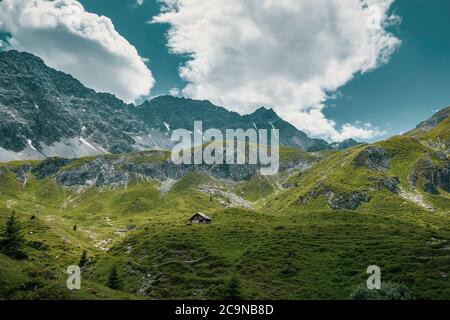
pixel 46 113
pixel 431 173
pixel 118 172
pixel 121 170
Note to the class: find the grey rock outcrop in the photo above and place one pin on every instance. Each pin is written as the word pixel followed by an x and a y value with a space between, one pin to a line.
pixel 431 173
pixel 346 201
pixel 389 183
pixel 49 167
pixel 336 200
pixel 119 170
pixel 373 158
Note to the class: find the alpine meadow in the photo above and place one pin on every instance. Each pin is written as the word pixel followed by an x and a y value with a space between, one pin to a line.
pixel 94 207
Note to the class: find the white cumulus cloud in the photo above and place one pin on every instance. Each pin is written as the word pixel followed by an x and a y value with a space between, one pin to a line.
pixel 83 44
pixel 174 92
pixel 288 54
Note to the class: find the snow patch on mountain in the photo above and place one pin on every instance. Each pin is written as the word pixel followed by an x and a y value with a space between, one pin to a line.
pixel 69 148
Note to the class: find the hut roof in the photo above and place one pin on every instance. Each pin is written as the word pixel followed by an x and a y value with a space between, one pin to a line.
pixel 204 216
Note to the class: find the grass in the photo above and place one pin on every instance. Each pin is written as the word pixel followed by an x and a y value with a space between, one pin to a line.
pixel 256 188
pixel 403 153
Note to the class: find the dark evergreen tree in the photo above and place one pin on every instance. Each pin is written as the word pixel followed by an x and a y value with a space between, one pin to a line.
pixel 114 281
pixel 83 259
pixel 13 239
pixel 233 289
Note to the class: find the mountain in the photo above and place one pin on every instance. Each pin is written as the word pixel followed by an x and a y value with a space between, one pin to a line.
pixel 46 113
pixel 349 143
pixel 170 112
pixel 309 232
pixel 434 121
pixel 434 131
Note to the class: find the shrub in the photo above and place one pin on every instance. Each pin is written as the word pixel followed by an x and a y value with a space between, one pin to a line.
pixel 388 291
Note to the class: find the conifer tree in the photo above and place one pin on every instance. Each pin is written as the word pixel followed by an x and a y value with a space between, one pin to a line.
pixel 114 281
pixel 233 289
pixel 13 239
pixel 83 259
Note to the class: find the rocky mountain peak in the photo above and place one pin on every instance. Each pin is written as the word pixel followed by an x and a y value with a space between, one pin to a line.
pixel 435 120
pixel 264 113
pixel 47 113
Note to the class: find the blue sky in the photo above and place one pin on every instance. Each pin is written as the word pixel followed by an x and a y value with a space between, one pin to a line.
pixel 416 80
pixel 393 97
